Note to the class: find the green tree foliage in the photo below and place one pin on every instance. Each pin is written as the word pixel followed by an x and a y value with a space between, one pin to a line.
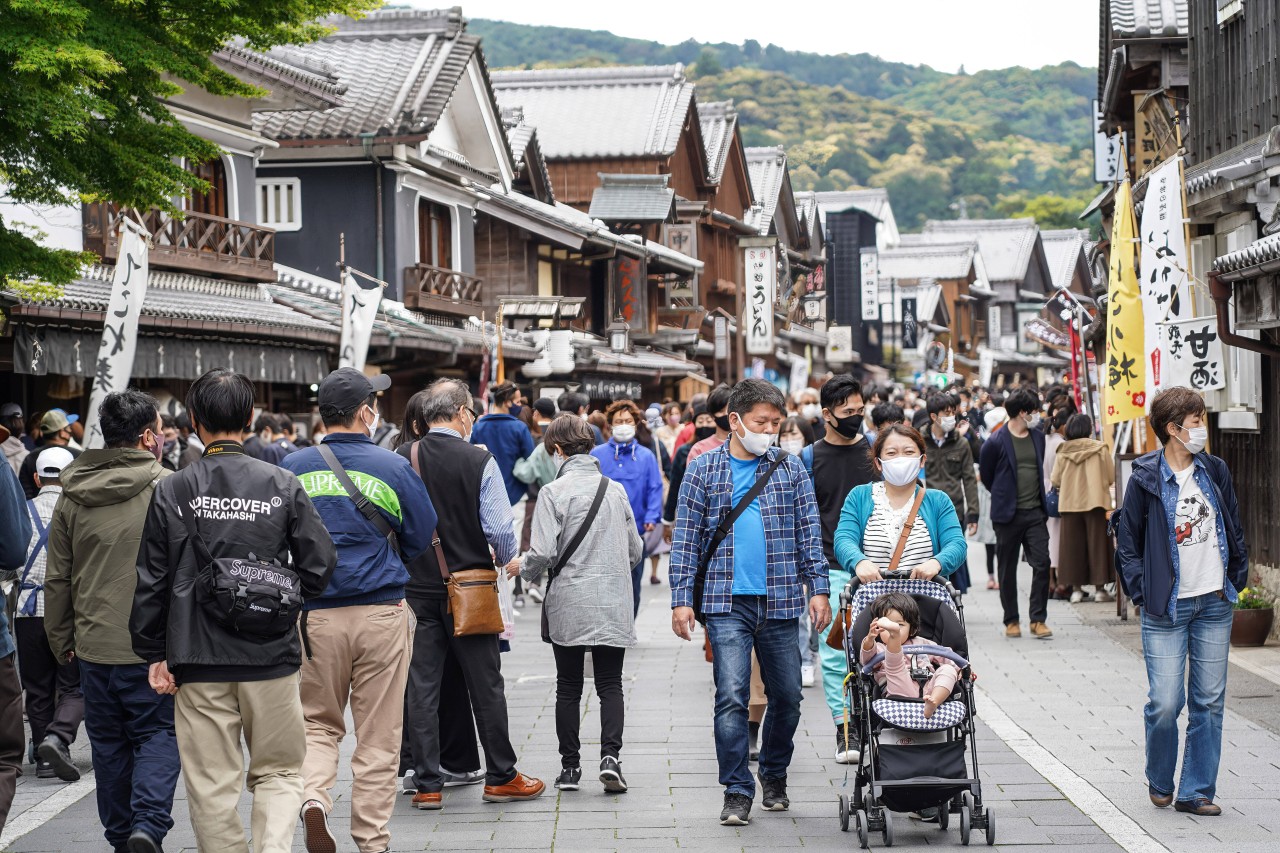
pixel 992 138
pixel 82 112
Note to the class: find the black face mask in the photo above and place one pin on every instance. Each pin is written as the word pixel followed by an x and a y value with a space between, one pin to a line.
pixel 850 427
pixel 700 433
pixel 722 422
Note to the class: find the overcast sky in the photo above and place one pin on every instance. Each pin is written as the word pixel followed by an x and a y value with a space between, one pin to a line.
pixel 941 33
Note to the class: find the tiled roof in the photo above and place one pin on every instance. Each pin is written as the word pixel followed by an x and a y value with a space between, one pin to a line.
pixel 189 297
pixel 1006 244
pixel 1149 18
pixel 526 151
pixel 768 170
pixel 316 83
pixel 1065 251
pixel 719 121
pixel 873 201
pixel 929 261
pixel 633 198
pixel 401 67
pixel 1238 264
pixel 601 112
pixel 807 209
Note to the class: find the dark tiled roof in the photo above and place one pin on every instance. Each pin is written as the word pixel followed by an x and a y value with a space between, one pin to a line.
pixel 767 168
pixel 316 83
pixel 1065 251
pixel 526 152
pixel 633 198
pixel 400 66
pixel 928 261
pixel 587 113
pixel 1238 264
pixel 719 120
pixel 1006 244
pixel 1149 18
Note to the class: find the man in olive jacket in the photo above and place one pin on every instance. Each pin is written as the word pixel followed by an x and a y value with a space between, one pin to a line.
pixel 231 682
pixel 88 588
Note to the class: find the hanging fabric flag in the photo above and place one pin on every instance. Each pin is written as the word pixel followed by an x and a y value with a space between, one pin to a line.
pixel 1126 366
pixel 1166 296
pixel 120 324
pixel 1195 357
pixel 360 300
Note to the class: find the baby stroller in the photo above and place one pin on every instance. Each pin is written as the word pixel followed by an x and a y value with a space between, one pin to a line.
pixel 926 765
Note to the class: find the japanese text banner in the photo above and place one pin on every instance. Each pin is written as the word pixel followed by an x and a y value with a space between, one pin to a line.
pixel 1126 396
pixel 360 300
pixel 119 325
pixel 1166 296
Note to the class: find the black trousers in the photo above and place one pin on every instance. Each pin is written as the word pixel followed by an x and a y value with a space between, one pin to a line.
pixel 459 753
pixel 11 734
pixel 481 666
pixel 1027 529
pixel 606 662
pixel 55 704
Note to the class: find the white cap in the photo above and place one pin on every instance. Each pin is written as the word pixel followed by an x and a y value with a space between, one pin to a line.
pixel 995 417
pixel 51 461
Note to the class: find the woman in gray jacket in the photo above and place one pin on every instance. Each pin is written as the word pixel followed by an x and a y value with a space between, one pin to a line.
pixel 588 606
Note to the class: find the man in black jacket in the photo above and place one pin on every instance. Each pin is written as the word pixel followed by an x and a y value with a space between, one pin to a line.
pixel 231 682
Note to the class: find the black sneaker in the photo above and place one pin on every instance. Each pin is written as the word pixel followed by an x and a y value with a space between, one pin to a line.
pixel 736 811
pixel 569 778
pixel 54 752
pixel 846 749
pixel 44 770
pixel 774 794
pixel 611 776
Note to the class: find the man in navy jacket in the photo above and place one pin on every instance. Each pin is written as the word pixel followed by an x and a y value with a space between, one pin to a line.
pixel 1011 466
pixel 506 437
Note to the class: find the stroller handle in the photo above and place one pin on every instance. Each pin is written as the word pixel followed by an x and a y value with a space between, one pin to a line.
pixel 935 651
pixel 846 597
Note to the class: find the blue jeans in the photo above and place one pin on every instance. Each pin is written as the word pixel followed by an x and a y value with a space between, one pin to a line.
pixel 1201 632
pixel 135 750
pixel 733 635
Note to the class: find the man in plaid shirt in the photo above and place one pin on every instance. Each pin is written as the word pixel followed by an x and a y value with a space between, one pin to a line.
pixel 754 591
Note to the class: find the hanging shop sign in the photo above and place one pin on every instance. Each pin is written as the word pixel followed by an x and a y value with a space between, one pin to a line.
pixel 1195 357
pixel 840 344
pixel 1166 296
pixel 761 292
pixel 870 285
pixel 910 328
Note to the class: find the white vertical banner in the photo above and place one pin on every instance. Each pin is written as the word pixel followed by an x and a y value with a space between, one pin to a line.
pixel 1162 267
pixel 761 294
pixel 360 300
pixel 1106 151
pixel 120 324
pixel 870 285
pixel 986 366
pixel 993 326
pixel 1195 359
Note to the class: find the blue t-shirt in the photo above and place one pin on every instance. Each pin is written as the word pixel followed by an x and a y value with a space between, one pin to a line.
pixel 749 569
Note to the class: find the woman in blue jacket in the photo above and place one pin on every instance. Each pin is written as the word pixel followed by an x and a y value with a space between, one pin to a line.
pixel 874 514
pixel 1181 557
pixel 625 460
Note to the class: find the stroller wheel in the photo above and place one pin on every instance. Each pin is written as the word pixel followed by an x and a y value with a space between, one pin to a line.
pixel 991 827
pixel 860 816
pixel 944 815
pixel 887 832
pixel 844 813
pixel 965 824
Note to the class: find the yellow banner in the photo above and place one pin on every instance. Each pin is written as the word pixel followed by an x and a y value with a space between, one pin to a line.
pixel 1126 396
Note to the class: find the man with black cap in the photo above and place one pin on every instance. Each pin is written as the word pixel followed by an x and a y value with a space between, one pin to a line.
pixel 55 431
pixel 358 633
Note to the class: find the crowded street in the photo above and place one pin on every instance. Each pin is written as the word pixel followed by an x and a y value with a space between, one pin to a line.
pixel 1060 744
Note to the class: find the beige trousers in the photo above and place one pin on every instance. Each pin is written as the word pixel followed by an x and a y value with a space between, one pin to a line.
pixel 758 702
pixel 359 655
pixel 210 718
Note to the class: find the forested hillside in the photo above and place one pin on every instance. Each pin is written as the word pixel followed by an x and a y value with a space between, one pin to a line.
pixel 1013 141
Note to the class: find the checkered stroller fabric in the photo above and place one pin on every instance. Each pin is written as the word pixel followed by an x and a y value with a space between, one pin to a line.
pixel 910 715
pixel 869 592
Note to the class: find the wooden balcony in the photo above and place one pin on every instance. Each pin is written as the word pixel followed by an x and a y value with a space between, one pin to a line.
pixel 428 288
pixel 197 243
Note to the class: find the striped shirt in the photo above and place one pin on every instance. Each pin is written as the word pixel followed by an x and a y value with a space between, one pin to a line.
pixel 884 529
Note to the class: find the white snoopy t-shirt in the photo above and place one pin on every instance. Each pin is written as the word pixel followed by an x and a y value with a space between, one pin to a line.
pixel 1195 535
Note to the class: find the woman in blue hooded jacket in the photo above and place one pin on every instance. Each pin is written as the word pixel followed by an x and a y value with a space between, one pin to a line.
pixel 626 460
pixel 1181 557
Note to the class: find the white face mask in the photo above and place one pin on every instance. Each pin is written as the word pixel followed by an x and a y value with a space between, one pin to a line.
pixel 901 470
pixel 1197 438
pixel 1033 421
pixel 755 443
pixel 948 423
pixel 792 445
pixel 377 421
pixel 811 411
pixel 623 433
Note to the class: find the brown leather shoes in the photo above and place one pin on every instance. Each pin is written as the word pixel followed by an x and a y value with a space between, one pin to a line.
pixel 1040 631
pixel 428 802
pixel 1013 629
pixel 520 788
pixel 1159 800
pixel 1200 806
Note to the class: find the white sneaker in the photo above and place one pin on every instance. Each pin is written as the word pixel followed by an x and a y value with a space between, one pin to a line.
pixel 407 785
pixel 1077 596
pixel 1103 595
pixel 535 592
pixel 806 676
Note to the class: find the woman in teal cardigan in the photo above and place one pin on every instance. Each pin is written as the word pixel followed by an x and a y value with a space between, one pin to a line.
pixel 874 514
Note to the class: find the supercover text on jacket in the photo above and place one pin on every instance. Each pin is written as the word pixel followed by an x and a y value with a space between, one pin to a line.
pixel 452 470
pixel 369 571
pixel 243 506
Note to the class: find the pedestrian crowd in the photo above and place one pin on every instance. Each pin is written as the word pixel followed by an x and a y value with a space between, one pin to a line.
pixel 218 582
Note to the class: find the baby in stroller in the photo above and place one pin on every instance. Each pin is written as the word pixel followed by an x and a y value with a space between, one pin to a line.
pixel 896 623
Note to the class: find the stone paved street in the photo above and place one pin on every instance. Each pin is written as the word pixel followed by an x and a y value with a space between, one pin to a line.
pixel 1060 748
